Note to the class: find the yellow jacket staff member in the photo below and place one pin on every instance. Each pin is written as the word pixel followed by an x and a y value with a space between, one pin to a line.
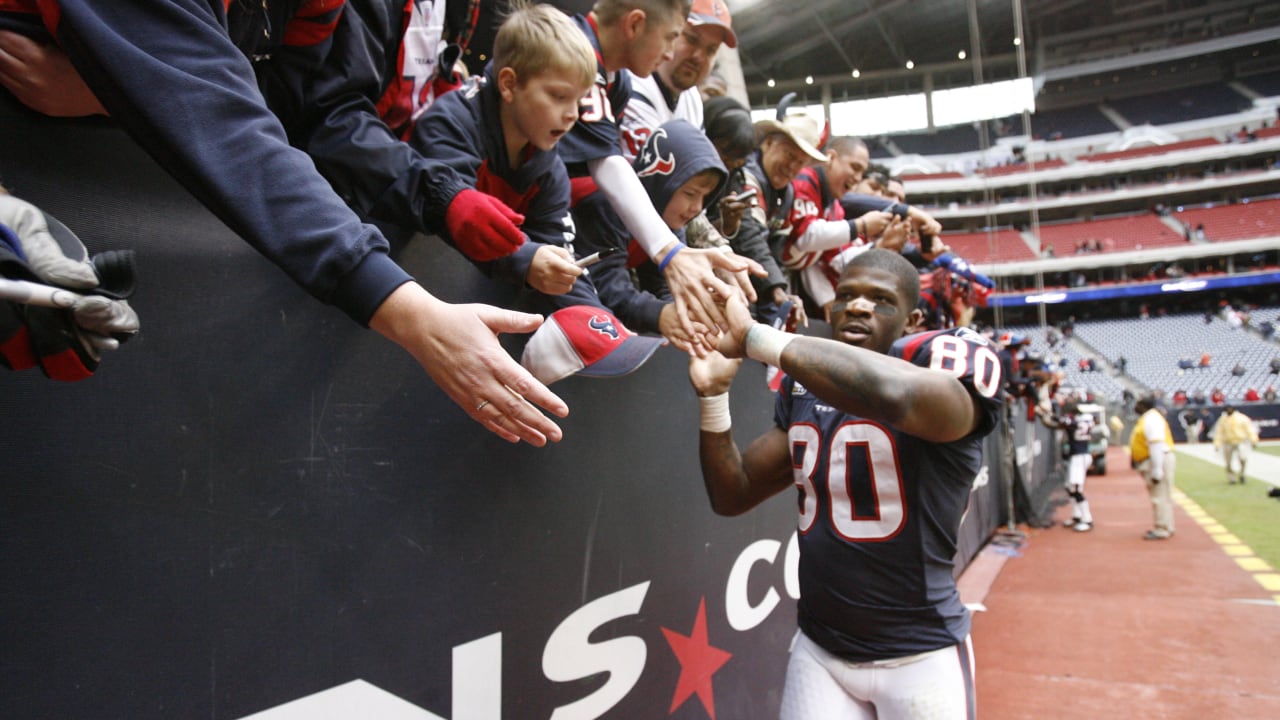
pixel 1234 434
pixel 1151 448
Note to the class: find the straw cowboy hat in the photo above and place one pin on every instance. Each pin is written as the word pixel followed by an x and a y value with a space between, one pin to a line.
pixel 801 129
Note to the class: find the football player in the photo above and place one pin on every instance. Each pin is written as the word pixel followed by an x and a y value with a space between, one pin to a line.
pixel 1078 427
pixel 881 435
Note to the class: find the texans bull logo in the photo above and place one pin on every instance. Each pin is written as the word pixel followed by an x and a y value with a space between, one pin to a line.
pixel 652 159
pixel 603 324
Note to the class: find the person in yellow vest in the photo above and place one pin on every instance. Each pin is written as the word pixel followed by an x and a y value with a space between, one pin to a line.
pixel 1151 449
pixel 1234 435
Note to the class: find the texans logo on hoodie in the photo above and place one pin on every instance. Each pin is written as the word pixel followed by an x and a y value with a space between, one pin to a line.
pixel 654 159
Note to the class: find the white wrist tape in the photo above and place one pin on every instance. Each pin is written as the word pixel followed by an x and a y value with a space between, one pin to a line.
pixel 715 413
pixel 765 343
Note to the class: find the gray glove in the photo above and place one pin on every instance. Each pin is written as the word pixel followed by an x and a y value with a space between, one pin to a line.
pixel 62 332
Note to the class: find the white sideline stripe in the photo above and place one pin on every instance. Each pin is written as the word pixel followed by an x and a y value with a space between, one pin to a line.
pixel 1261 466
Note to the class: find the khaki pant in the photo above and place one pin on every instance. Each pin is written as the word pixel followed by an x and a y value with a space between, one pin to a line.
pixel 1161 493
pixel 1233 454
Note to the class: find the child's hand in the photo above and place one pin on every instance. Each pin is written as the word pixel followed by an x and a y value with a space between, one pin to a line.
pixel 698 344
pixel 691 275
pixel 552 271
pixel 482 226
pixel 796 317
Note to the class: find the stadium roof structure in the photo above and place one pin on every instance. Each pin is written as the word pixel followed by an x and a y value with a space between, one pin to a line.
pixel 827 40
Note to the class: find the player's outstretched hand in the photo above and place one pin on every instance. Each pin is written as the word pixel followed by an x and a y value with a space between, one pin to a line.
pixel 552 271
pixel 458 347
pixel 713 374
pixel 482 226
pixel 733 341
pixel 42 78
pixel 698 291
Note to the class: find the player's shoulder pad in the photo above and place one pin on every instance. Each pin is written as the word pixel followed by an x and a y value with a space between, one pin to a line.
pixel 907 346
pixel 973 336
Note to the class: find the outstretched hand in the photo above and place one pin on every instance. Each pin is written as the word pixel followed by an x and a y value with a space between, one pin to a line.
pixel 712 374
pixel 458 347
pixel 698 291
pixel 738 320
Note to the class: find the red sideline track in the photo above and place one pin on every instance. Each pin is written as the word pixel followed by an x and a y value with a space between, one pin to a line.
pixel 1105 624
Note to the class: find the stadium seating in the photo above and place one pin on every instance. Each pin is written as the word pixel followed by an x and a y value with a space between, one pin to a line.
pixel 1071 122
pixel 998 246
pixel 1152 347
pixel 1171 106
pixel 1266 84
pixel 1147 150
pixel 1021 167
pixel 1065 358
pixel 1257 219
pixel 954 139
pixel 932 176
pixel 1132 232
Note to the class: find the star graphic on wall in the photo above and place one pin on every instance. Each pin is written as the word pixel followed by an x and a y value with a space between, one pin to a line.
pixel 698 662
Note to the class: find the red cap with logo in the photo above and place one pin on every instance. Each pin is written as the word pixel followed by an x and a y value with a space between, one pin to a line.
pixel 713 12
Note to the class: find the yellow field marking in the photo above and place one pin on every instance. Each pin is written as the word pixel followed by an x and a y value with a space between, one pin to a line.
pixel 1244 556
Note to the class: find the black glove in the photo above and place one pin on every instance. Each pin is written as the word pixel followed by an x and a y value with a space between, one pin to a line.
pixel 64 341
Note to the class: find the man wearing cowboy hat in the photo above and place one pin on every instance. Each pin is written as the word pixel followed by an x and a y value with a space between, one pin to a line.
pixel 786 146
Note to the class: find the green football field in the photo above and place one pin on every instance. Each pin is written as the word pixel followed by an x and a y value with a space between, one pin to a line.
pixel 1246 510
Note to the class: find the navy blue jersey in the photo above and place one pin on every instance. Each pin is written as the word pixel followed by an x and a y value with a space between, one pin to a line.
pixel 1079 428
pixel 880 511
pixel 596 134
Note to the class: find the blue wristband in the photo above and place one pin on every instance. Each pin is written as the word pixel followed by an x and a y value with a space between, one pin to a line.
pixel 662 266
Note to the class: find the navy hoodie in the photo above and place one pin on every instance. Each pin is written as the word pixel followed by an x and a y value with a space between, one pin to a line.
pixel 462 131
pixel 177 77
pixel 674 153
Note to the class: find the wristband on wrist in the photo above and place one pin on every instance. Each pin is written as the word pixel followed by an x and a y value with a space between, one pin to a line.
pixel 766 343
pixel 662 266
pixel 715 413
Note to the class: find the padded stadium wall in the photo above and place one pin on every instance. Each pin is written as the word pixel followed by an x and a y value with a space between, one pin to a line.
pixel 258 508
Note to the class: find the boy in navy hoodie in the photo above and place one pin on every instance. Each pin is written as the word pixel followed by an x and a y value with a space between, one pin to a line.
pixel 634 37
pixel 681 172
pixel 498 134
